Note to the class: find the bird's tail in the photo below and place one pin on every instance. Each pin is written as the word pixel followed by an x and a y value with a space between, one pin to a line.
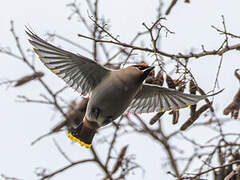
pixel 83 135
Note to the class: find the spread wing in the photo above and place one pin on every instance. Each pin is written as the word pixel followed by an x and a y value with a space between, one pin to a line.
pixel 153 98
pixel 77 71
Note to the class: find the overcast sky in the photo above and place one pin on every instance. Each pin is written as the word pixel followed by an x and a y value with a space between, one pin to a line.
pixel 22 123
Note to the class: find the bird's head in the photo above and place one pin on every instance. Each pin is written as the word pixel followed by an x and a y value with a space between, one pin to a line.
pixel 144 70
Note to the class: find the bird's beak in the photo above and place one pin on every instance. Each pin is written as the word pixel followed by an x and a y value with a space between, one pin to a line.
pixel 147 70
pixel 146 73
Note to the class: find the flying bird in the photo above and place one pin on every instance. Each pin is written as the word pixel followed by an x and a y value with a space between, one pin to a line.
pixel 111 92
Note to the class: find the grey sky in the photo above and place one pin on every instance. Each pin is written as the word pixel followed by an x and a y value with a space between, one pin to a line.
pixel 22 123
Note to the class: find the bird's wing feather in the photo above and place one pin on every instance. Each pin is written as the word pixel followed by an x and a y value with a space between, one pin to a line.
pixel 77 71
pixel 153 98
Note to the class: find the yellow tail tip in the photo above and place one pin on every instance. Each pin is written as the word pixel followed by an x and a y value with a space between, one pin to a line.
pixel 70 136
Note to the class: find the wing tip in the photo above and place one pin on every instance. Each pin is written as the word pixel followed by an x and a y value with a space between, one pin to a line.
pixel 216 92
pixel 29 31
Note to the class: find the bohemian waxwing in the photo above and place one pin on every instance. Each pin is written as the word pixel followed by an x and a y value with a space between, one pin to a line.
pixel 111 92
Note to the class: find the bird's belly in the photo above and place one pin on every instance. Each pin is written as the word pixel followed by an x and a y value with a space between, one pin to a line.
pixel 112 100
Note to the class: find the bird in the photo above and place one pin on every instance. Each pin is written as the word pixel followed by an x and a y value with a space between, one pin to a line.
pixel 111 92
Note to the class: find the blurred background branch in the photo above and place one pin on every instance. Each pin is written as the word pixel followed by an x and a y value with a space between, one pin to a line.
pixel 117 162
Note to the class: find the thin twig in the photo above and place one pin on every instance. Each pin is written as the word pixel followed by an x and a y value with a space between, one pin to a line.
pixel 61 151
pixel 172 56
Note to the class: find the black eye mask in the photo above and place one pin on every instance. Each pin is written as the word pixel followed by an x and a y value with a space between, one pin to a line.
pixel 141 67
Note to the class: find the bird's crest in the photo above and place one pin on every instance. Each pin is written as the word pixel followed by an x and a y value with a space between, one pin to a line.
pixel 144 65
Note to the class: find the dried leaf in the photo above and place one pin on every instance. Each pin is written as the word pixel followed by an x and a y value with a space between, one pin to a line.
pixel 170 82
pixel 182 88
pixel 28 78
pixel 193 90
pixel 175 117
pixel 120 159
pixel 192 87
pixel 155 118
pixel 179 83
pixel 233 107
pixel 192 119
pixel 158 80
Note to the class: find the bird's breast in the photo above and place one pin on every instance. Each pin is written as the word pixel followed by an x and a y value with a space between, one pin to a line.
pixel 112 97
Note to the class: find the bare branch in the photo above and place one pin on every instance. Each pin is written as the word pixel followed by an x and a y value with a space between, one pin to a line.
pixel 172 56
